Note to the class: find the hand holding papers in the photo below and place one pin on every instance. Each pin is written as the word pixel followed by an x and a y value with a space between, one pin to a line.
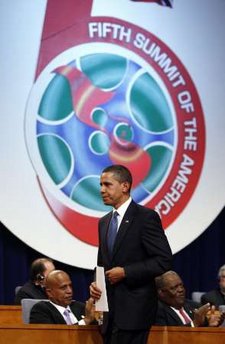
pixel 102 303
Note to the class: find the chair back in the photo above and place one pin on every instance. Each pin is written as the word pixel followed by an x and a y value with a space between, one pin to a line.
pixel 196 296
pixel 17 288
pixel 27 304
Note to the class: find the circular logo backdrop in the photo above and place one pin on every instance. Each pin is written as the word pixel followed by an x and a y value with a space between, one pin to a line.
pixel 105 108
pixel 110 86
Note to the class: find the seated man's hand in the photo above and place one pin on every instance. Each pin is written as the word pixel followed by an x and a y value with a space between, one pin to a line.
pixel 200 315
pixel 215 317
pixel 89 311
pixel 95 292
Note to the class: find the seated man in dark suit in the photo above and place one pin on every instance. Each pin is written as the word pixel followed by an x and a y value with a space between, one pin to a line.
pixel 34 288
pixel 216 297
pixel 175 310
pixel 61 309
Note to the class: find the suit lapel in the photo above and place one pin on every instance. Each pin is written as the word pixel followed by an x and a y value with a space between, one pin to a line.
pixel 58 318
pixel 189 310
pixel 124 226
pixel 174 315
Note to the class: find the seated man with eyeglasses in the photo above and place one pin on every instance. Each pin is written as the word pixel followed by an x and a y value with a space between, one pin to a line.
pixel 216 297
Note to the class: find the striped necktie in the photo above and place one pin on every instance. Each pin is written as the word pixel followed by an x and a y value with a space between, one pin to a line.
pixel 184 316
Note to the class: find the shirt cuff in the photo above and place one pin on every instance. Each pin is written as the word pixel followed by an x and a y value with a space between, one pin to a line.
pixel 81 322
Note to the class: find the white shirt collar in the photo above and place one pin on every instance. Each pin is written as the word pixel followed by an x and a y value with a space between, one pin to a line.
pixel 181 318
pixel 122 210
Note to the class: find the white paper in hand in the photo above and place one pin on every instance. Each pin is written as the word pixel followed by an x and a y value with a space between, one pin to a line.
pixel 102 304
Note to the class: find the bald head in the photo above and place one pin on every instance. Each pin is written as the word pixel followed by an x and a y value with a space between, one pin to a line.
pixel 55 276
pixel 59 287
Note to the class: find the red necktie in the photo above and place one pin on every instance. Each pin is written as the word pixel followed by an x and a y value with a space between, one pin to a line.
pixel 184 316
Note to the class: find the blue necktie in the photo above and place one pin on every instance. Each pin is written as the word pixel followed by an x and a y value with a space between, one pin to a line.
pixel 112 231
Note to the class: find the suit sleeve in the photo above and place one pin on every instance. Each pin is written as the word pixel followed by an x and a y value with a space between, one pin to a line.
pixel 161 318
pixel 206 298
pixel 21 294
pixel 40 314
pixel 157 252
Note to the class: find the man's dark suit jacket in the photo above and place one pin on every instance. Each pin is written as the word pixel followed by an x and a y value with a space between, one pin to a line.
pixel 214 297
pixel 142 249
pixel 166 316
pixel 29 291
pixel 45 313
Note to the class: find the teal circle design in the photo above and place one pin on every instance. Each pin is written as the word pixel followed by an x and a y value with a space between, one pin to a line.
pixel 97 110
pixel 124 132
pixel 99 143
pixel 55 156
pixel 149 105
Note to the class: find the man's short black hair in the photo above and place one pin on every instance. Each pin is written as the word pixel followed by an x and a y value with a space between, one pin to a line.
pixel 38 268
pixel 121 173
pixel 160 280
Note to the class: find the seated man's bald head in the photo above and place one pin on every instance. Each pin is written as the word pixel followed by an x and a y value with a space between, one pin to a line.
pixel 54 276
pixel 59 287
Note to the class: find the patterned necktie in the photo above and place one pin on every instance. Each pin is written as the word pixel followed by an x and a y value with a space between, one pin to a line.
pixel 112 231
pixel 184 316
pixel 67 316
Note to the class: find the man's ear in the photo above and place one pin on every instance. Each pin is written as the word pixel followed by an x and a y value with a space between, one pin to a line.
pixel 125 187
pixel 48 291
pixel 160 293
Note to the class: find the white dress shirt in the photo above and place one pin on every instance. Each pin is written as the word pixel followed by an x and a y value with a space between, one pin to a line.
pixel 181 318
pixel 122 210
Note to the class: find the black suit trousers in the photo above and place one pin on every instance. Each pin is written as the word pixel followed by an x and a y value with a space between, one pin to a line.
pixel 118 336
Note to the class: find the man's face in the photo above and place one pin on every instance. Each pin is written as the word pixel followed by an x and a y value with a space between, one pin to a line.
pixel 60 290
pixel 222 281
pixel 113 192
pixel 174 292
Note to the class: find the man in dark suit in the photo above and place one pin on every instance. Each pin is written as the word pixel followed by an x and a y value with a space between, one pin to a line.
pixel 61 309
pixel 35 287
pixel 216 297
pixel 175 310
pixel 139 254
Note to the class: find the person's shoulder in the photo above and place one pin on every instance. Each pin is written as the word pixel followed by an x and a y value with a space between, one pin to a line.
pixel 28 285
pixel 42 305
pixel 210 296
pixel 146 211
pixel 191 304
pixel 142 208
pixel 77 304
pixel 212 292
pixel 162 306
pixel 26 291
